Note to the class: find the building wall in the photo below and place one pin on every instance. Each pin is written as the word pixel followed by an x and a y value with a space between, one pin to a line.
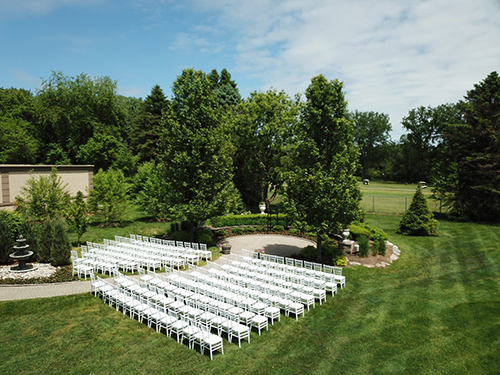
pixel 14 177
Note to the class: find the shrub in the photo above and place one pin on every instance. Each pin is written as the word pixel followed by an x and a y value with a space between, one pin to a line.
pixel 61 249
pixel 418 220
pixel 237 231
pixel 340 260
pixel 358 229
pixel 294 232
pixel 375 248
pixel 180 235
pixel 205 236
pixel 364 246
pixel 235 220
pixel 379 245
pixel 43 198
pixel 278 228
pixel 308 252
pixel 9 225
pixel 330 248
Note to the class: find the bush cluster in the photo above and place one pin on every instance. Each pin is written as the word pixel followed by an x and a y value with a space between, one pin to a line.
pixel 49 241
pixel 309 253
pixel 358 229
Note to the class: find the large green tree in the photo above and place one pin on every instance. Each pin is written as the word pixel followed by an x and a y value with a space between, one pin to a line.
pixel 74 110
pixel 197 159
pixel 263 129
pixel 421 146
pixel 19 144
pixel 322 189
pixel 371 133
pixel 470 169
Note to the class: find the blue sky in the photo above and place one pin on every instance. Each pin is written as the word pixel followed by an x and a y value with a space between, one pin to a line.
pixel 392 55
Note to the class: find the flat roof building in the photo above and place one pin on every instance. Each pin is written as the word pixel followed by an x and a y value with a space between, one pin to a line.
pixel 14 176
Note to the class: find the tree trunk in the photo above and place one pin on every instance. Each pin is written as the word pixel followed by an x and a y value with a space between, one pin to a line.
pixel 192 227
pixel 319 255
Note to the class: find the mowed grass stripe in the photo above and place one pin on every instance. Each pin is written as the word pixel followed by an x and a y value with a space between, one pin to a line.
pixel 433 311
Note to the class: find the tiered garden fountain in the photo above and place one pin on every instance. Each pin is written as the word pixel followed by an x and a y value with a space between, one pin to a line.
pixel 22 255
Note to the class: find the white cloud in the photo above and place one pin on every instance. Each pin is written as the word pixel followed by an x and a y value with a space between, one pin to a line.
pixel 392 55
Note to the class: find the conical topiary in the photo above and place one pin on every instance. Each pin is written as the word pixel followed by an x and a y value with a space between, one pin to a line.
pixel 418 220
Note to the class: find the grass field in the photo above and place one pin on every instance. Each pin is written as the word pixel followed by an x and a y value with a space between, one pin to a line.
pixel 135 223
pixel 383 197
pixel 434 311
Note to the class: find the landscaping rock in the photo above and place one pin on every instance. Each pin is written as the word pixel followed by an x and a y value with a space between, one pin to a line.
pixel 355 263
pixel 394 257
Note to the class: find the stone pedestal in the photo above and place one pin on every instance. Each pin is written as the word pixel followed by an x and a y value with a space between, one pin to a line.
pixel 348 246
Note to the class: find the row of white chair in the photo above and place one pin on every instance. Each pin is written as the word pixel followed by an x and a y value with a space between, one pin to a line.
pixel 294 265
pixel 147 308
pixel 194 306
pixel 202 247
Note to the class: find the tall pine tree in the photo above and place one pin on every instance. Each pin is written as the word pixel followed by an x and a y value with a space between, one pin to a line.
pixel 471 166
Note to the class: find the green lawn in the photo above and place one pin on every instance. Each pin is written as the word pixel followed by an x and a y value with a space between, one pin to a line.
pixel 384 197
pixel 136 222
pixel 434 311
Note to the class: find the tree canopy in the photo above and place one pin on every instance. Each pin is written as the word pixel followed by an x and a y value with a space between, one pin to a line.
pixel 371 131
pixel 470 170
pixel 197 165
pixel 321 188
pixel 263 130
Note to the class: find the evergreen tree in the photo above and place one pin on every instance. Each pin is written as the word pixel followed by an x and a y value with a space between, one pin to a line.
pixel 470 170
pixel 60 253
pixel 419 219
pixel 9 226
pixel 147 132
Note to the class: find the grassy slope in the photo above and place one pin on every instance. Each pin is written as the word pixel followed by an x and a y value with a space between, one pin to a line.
pixel 434 311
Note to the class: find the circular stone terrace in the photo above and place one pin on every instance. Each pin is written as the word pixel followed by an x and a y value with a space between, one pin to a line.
pixel 273 244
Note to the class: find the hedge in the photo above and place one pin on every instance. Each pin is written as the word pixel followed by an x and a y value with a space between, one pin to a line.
pixel 251 219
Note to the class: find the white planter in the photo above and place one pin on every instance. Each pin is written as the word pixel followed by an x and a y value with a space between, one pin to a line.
pixel 262 208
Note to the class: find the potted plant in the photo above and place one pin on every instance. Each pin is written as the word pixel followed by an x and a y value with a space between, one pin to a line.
pixel 226 248
pixel 262 208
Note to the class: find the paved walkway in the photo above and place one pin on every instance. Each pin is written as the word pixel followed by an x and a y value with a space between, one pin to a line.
pixel 272 244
